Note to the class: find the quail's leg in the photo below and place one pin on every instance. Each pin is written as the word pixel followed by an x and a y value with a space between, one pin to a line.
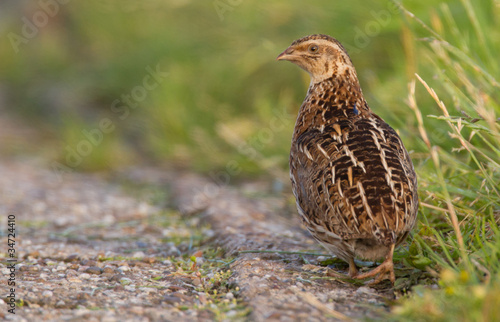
pixel 387 267
pixel 353 270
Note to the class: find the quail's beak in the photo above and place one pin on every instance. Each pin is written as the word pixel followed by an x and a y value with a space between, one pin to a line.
pixel 287 54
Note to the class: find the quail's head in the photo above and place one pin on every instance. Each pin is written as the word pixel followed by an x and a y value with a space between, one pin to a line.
pixel 320 55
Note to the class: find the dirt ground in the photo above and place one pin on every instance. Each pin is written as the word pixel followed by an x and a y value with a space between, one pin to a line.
pixel 147 244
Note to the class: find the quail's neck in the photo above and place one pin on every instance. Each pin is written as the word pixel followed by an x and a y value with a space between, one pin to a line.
pixel 339 96
pixel 329 102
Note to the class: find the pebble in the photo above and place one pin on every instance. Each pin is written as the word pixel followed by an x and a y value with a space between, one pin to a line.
pixel 125 281
pixel 202 297
pixel 148 290
pixel 94 270
pixel 29 268
pixel 141 244
pixel 74 266
pixel 137 310
pixel 171 299
pixel 196 282
pixel 31 296
pixel 88 262
pixel 130 288
pixel 74 280
pixel 365 291
pixel 72 258
pixel 34 254
pixel 118 288
pixel 231 313
pixel 82 296
pixel 139 255
pixel 124 269
pixel 116 277
pixel 71 273
pixel 149 260
pixel 229 295
pixel 47 294
pixel 85 276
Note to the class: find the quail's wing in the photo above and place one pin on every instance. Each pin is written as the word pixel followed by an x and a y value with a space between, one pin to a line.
pixel 354 180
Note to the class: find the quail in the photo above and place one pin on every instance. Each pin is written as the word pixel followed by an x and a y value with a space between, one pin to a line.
pixel 353 180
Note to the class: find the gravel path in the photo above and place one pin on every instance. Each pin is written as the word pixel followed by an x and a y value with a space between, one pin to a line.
pixel 90 250
pixel 278 286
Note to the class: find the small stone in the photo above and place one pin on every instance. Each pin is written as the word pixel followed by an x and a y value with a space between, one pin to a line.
pixel 202 297
pixel 34 254
pixel 196 281
pixel 29 268
pixel 72 258
pixel 88 262
pixel 82 296
pixel 73 280
pixel 108 269
pixel 365 291
pixel 229 295
pixel 130 288
pixel 119 288
pixel 116 277
pixel 124 269
pixel 148 290
pixel 171 299
pixel 94 270
pixel 60 303
pixel 85 276
pixel 125 281
pixel 149 260
pixel 47 294
pixel 139 255
pixel 71 273
pixel 31 296
pixel 141 244
pixel 231 313
pixel 137 310
pixel 74 266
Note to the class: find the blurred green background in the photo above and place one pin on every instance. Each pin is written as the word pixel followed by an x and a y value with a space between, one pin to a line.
pixel 222 96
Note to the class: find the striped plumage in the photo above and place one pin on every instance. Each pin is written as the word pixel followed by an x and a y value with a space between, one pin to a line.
pixel 352 177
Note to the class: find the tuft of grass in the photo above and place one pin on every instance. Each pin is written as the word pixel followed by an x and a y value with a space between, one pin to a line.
pixel 457 109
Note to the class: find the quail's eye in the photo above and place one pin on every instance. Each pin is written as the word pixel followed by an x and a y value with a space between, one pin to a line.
pixel 313 49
